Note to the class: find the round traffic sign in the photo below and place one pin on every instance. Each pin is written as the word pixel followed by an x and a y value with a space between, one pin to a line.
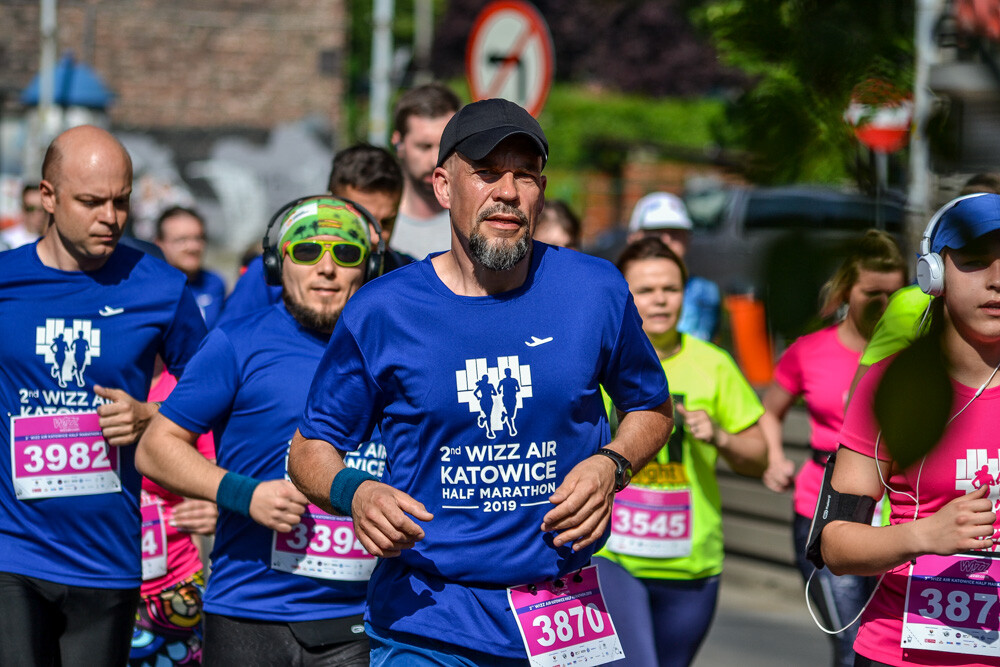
pixel 510 55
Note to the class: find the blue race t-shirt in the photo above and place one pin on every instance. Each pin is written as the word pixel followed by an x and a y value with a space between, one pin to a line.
pixel 250 294
pixel 64 332
pixel 485 404
pixel 248 382
pixel 701 310
pixel 209 291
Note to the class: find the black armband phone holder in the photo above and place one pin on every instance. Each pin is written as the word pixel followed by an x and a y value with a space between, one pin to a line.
pixel 834 506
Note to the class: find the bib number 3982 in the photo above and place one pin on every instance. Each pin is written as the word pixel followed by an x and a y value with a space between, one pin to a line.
pixel 952 605
pixel 61 455
pixel 567 623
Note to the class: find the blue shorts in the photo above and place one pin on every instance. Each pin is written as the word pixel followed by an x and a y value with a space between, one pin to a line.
pixel 414 651
pixel 660 622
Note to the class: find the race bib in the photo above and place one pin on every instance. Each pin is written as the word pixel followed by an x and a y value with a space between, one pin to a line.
pixel 61 455
pixel 565 624
pixel 322 546
pixel 951 605
pixel 154 538
pixel 653 523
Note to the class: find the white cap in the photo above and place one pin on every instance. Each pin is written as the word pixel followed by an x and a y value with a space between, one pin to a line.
pixel 659 210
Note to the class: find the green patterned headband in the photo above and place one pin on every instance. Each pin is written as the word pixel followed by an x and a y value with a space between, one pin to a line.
pixel 324 216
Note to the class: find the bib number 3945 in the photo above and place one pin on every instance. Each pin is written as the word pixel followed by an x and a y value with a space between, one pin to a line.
pixel 566 624
pixel 952 605
pixel 61 455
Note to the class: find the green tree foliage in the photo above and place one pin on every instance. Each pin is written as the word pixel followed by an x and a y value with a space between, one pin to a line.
pixel 805 57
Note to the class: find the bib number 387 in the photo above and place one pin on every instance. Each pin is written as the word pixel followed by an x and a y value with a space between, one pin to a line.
pixel 567 623
pixel 61 455
pixel 952 605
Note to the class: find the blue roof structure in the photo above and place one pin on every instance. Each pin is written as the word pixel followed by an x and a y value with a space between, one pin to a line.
pixel 76 85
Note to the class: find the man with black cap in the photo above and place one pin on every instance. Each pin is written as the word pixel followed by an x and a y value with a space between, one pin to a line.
pixel 475 522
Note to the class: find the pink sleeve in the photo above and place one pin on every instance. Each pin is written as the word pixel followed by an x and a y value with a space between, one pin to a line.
pixel 860 429
pixel 788 371
pixel 206 445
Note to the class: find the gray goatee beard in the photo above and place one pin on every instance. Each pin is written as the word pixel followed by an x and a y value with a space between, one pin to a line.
pixel 499 255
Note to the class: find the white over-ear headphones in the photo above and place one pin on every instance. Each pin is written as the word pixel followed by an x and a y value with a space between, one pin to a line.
pixel 930 266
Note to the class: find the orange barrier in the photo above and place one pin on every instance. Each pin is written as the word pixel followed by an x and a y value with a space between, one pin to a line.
pixel 750 339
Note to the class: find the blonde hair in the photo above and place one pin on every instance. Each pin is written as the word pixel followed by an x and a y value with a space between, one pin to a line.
pixel 875 251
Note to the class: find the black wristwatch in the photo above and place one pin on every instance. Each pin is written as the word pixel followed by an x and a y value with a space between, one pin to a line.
pixel 623 467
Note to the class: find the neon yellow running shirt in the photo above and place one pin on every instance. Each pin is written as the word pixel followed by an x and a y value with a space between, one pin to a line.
pixel 702 377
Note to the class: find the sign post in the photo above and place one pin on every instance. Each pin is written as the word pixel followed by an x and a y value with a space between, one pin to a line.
pixel 510 55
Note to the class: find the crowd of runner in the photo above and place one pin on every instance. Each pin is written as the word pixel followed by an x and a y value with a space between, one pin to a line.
pixel 415 435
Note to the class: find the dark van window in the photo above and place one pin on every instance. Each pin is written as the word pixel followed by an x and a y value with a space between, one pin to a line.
pixel 790 212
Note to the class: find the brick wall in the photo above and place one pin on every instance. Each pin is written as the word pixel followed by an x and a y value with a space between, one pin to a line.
pixel 186 63
pixel 609 200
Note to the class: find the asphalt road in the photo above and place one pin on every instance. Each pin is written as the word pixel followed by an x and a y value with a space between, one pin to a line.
pixel 762 620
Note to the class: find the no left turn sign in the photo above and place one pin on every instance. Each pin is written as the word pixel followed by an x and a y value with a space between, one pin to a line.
pixel 510 55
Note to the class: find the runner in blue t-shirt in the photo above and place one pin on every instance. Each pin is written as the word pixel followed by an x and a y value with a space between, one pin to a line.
pixel 462 516
pixel 69 529
pixel 365 174
pixel 180 235
pixel 285 576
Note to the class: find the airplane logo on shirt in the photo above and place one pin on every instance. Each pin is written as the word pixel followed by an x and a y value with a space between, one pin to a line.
pixel 108 311
pixel 536 341
pixel 495 393
pixel 68 349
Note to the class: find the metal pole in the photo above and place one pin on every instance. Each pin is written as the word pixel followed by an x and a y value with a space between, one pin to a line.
pixel 423 39
pixel 378 109
pixel 46 73
pixel 918 201
pixel 42 132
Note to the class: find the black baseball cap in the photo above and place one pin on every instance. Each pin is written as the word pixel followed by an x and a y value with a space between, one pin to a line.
pixel 479 127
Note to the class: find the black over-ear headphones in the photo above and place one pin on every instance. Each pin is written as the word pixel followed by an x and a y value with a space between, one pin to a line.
pixel 272 253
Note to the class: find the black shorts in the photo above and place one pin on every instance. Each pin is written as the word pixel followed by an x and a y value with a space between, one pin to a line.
pixel 235 642
pixel 45 623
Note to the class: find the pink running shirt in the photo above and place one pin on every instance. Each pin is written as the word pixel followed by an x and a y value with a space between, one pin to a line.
pixel 948 472
pixel 182 554
pixel 819 368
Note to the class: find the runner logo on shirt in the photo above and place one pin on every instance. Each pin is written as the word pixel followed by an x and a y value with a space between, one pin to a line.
pixel 68 350
pixel 977 470
pixel 494 394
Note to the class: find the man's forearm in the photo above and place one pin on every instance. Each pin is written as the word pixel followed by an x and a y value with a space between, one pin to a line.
pixel 167 455
pixel 312 465
pixel 642 433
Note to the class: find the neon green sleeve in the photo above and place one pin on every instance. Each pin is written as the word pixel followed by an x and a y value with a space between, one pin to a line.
pixel 898 326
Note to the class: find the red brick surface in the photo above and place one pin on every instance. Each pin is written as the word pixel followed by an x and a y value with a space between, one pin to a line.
pixel 210 63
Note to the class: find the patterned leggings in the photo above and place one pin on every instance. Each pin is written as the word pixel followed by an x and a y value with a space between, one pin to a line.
pixel 168 626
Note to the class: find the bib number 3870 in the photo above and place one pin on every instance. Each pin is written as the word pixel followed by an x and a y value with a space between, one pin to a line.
pixel 568 616
pixel 951 605
pixel 61 455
